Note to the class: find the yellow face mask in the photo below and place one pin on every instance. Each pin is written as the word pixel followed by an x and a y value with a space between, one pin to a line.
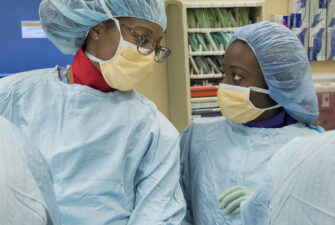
pixel 127 67
pixel 235 104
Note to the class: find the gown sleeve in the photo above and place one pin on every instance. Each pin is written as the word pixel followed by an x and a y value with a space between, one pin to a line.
pixel 159 199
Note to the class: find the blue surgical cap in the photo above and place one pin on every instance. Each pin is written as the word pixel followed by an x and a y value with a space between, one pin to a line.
pixel 285 67
pixel 67 22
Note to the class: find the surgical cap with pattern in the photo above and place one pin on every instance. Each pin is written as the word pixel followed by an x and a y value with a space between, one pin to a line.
pixel 285 67
pixel 67 22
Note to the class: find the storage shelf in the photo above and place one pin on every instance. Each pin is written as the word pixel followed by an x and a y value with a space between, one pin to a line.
pixel 204 99
pixel 206 76
pixel 212 30
pixel 214 109
pixel 225 4
pixel 206 53
pixel 183 97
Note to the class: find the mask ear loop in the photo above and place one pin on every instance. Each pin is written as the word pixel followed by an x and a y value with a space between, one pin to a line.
pixel 261 90
pixel 264 91
pixel 109 14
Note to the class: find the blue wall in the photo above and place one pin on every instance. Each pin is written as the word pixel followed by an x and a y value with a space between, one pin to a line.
pixel 18 54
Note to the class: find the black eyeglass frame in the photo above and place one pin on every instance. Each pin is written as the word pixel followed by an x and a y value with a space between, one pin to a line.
pixel 161 52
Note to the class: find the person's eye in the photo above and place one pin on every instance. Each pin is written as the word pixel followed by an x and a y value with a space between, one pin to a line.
pixel 237 77
pixel 144 40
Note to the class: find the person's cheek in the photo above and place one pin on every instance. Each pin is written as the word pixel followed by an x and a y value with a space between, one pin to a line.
pixel 259 100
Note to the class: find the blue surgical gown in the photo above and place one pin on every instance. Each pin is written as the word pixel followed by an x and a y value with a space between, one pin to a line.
pixel 113 156
pixel 298 185
pixel 26 191
pixel 217 154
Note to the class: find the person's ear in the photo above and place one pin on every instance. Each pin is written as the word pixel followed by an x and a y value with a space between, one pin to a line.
pixel 96 31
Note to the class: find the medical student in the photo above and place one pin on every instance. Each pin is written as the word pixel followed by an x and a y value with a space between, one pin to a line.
pixel 297 186
pixel 113 156
pixel 266 98
pixel 26 191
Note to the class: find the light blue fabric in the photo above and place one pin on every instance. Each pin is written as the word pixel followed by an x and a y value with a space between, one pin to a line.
pixel 28 177
pixel 66 23
pixel 285 67
pixel 217 154
pixel 298 185
pixel 317 128
pixel 113 156
pixel 62 74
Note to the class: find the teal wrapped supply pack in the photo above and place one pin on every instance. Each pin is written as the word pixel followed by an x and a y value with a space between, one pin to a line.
pixel 299 20
pixel 318 30
pixel 299 10
pixel 330 30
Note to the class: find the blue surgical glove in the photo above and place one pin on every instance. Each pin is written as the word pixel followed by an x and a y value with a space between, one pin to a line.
pixel 230 199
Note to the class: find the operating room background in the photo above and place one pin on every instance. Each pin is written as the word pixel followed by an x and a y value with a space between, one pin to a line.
pixel 156 87
pixel 12 12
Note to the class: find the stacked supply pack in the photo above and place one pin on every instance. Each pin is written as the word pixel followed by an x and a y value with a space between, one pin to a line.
pixel 330 52
pixel 299 20
pixel 317 32
pixel 205 107
pixel 313 21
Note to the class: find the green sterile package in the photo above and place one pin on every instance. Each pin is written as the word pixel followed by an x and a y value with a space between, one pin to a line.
pixel 203 18
pixel 193 41
pixel 223 17
pixel 218 40
pixel 202 65
pixel 212 65
pixel 244 16
pixel 191 19
pixel 236 13
pixel 218 60
pixel 201 42
pixel 213 18
pixel 211 42
pixel 193 65
pixel 232 19
pixel 224 38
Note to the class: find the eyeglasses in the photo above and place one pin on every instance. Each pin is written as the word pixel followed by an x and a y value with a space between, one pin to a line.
pixel 161 53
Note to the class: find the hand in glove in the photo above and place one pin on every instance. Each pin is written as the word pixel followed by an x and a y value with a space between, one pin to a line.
pixel 230 199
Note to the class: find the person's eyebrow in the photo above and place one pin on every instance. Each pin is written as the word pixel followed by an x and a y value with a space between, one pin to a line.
pixel 147 31
pixel 159 39
pixel 239 67
pixel 139 27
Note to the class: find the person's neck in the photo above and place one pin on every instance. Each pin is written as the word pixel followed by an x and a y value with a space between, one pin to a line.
pixel 267 115
pixel 69 76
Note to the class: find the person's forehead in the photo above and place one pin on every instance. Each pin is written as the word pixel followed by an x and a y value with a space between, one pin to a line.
pixel 241 50
pixel 143 24
pixel 239 53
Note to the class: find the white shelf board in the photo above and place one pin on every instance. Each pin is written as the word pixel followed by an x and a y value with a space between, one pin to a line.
pixel 212 30
pixel 206 53
pixel 206 76
pixel 204 99
pixel 222 3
